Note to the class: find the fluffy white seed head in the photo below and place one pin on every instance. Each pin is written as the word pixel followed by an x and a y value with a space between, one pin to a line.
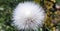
pixel 28 15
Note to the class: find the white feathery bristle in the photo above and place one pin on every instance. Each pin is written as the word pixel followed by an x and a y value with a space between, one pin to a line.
pixel 28 15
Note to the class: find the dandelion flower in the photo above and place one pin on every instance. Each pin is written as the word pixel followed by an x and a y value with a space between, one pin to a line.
pixel 28 15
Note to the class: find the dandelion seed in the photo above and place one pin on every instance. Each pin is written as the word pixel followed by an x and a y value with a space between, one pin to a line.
pixel 28 15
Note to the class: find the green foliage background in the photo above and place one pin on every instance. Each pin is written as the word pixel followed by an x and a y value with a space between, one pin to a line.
pixel 6 9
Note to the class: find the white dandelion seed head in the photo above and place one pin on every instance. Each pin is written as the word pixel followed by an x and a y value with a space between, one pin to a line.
pixel 28 15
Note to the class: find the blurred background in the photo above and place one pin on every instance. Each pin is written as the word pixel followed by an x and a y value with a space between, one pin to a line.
pixel 51 7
